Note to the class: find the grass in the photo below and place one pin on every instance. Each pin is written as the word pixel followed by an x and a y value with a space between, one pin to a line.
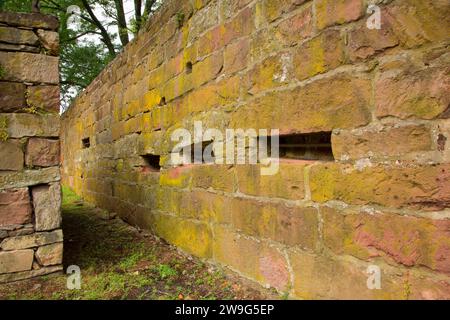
pixel 119 262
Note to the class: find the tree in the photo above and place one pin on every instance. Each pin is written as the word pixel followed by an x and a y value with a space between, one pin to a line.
pixel 102 32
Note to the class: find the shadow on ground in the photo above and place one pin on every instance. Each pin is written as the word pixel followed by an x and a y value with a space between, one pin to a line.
pixel 119 262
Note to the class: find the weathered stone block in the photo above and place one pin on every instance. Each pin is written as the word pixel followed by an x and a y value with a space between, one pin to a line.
pixel 255 259
pixel 12 96
pixel 338 102
pixel 288 183
pixel 408 241
pixel 364 42
pixel 395 142
pixel 50 255
pixel 217 177
pixel 331 12
pixel 28 67
pixel 193 237
pixel 32 125
pixel 32 241
pixel 320 277
pixel 290 225
pixel 423 187
pixel 296 28
pixel 42 153
pixel 319 55
pixel 11 277
pixel 49 40
pixel 44 97
pixel 30 20
pixel 236 56
pixel 11 155
pixel 16 261
pixel 21 179
pixel 47 206
pixel 15 207
pixel 406 92
pixel 274 9
pixel 18 36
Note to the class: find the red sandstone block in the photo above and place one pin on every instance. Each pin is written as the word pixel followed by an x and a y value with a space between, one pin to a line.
pixel 418 22
pixel 319 55
pixel 42 153
pixel 296 28
pixel 331 12
pixel 405 91
pixel 11 155
pixel 364 43
pixel 340 101
pixel 288 183
pixel 236 56
pixel 322 277
pixel 255 259
pixel 15 207
pixel 217 177
pixel 276 8
pixel 405 240
pixel 273 72
pixel 290 225
pixel 422 187
pixel 386 142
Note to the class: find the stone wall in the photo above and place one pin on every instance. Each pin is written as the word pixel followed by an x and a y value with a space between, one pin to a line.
pixel 303 67
pixel 30 194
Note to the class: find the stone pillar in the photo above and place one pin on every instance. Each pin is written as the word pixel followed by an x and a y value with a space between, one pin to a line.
pixel 30 193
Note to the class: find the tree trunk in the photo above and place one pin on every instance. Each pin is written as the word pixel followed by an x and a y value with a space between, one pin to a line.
pixel 122 23
pixel 105 36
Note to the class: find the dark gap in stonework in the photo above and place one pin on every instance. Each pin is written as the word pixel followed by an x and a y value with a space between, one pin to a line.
pixel 86 142
pixel 189 67
pixel 152 162
pixel 162 102
pixel 305 146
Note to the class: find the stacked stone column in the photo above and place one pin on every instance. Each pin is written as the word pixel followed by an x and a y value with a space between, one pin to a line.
pixel 30 193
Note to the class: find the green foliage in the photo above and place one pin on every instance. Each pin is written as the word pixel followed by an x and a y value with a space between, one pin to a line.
pixel 2 72
pixel 180 19
pixel 165 271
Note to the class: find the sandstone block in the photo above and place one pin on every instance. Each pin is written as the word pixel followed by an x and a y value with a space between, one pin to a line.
pixel 395 142
pixel 30 20
pixel 42 153
pixel 18 36
pixel 332 12
pixel 47 206
pixel 408 241
pixel 21 179
pixel 422 187
pixel 255 259
pixel 11 155
pixel 12 96
pixel 32 240
pixel 44 97
pixel 15 207
pixel 16 261
pixel 50 41
pixel 319 55
pixel 50 255
pixel 31 125
pixel 11 277
pixel 28 67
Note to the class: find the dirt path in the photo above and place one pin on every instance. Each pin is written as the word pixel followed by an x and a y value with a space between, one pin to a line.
pixel 119 262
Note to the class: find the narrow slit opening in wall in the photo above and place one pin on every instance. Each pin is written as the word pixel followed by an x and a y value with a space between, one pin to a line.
pixel 152 162
pixel 307 146
pixel 86 142
pixel 162 102
pixel 189 67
